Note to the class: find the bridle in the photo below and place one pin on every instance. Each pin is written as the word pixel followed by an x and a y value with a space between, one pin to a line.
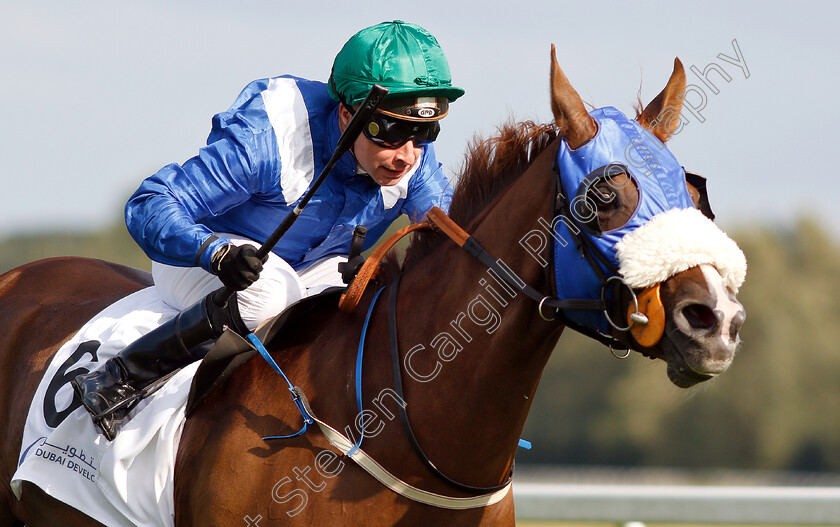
pixel 590 253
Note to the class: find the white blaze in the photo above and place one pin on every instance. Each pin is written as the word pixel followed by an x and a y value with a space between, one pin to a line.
pixel 725 305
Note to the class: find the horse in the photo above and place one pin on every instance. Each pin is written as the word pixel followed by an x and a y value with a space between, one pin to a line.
pixel 456 351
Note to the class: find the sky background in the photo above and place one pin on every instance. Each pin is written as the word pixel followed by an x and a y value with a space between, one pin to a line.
pixel 97 95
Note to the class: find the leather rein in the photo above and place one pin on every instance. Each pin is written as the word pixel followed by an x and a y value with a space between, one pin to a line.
pixel 437 219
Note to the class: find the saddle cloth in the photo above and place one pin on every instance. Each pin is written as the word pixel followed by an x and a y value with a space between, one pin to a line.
pixel 126 482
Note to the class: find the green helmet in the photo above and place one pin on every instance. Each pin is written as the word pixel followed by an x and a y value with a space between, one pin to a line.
pixel 403 57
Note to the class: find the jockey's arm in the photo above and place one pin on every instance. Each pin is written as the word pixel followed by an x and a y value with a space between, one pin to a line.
pixel 163 214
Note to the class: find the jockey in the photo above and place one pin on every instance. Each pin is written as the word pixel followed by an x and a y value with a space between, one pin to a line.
pixel 199 222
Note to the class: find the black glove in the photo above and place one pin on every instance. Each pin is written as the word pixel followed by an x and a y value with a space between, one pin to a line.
pixel 237 266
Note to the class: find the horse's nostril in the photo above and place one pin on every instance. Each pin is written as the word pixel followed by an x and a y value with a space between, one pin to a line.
pixel 700 316
pixel 735 326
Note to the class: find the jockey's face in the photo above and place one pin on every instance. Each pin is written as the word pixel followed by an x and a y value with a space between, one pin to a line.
pixel 386 166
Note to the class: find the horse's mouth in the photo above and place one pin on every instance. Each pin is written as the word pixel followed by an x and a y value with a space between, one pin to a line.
pixel 685 372
pixel 684 377
pixel 679 372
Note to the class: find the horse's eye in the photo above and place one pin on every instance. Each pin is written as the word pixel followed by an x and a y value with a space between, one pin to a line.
pixel 607 201
pixel 604 196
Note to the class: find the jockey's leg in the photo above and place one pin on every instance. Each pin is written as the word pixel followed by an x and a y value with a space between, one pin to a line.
pixel 322 275
pixel 111 392
pixel 277 287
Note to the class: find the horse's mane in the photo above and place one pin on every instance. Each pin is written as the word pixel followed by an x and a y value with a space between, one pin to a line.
pixel 489 168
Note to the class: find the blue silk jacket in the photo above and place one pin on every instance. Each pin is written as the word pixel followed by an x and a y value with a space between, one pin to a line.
pixel 261 157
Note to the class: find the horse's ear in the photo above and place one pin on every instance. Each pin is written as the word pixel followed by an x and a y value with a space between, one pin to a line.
pixel 570 115
pixel 662 115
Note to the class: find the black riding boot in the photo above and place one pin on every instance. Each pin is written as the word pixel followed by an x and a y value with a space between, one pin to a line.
pixel 111 392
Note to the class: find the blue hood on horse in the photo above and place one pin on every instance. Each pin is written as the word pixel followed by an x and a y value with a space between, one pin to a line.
pixel 621 145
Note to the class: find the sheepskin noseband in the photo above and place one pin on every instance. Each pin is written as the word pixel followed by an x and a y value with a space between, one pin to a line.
pixel 674 241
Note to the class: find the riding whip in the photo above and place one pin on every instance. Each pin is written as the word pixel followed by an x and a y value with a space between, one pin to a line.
pixel 345 142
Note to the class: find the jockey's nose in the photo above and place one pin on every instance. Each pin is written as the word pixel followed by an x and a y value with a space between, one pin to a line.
pixel 407 153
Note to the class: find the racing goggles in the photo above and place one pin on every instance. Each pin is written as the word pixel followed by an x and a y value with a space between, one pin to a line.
pixel 390 132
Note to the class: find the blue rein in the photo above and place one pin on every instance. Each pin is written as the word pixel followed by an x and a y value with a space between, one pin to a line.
pixel 359 358
pixel 307 419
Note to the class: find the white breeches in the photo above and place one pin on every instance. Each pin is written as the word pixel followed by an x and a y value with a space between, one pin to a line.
pixel 278 287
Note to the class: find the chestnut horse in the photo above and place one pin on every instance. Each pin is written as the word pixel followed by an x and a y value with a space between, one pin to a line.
pixel 470 350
